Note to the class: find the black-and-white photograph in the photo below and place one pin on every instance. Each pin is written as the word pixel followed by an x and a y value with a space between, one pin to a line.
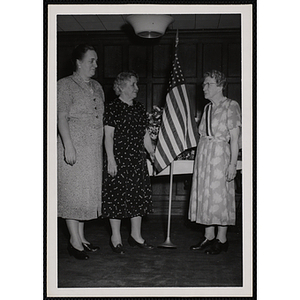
pixel 150 151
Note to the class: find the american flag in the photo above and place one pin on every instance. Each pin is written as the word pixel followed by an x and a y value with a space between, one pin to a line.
pixel 178 128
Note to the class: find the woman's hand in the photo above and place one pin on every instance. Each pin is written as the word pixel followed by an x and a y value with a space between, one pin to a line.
pixel 152 156
pixel 109 147
pixel 112 167
pixel 64 130
pixel 230 172
pixel 70 154
pixel 149 146
pixel 234 148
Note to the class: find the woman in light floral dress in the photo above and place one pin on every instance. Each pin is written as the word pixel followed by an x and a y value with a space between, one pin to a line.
pixel 212 200
pixel 80 108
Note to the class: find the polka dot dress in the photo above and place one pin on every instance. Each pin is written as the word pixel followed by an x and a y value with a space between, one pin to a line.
pixel 128 194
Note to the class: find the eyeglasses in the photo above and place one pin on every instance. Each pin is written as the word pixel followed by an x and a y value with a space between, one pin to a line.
pixel 208 84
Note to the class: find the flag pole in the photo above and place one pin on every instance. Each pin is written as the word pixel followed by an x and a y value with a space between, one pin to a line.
pixel 167 243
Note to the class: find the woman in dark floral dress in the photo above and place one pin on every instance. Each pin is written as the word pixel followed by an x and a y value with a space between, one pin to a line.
pixel 126 181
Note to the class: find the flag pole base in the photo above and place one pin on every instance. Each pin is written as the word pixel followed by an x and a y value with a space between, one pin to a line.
pixel 167 244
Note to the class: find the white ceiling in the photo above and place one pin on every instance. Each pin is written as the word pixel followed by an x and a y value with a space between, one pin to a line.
pixel 117 22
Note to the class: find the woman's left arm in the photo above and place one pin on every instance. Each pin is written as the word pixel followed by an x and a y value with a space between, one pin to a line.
pixel 231 170
pixel 148 145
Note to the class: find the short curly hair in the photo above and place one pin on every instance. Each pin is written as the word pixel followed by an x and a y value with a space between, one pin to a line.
pixel 121 79
pixel 218 76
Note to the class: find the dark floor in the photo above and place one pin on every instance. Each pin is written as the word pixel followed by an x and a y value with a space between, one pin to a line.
pixel 161 267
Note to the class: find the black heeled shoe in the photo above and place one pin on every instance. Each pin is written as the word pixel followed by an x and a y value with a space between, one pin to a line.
pixel 132 242
pixel 77 253
pixel 90 247
pixel 217 247
pixel 204 243
pixel 118 249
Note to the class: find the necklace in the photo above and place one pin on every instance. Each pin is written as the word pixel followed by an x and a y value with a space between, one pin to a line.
pixel 86 81
pixel 89 84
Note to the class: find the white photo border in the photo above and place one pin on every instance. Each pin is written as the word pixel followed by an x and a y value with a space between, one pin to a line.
pixel 246 11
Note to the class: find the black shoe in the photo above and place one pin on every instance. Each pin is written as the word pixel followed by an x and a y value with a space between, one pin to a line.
pixel 202 244
pixel 118 249
pixel 77 253
pixel 132 242
pixel 90 247
pixel 217 247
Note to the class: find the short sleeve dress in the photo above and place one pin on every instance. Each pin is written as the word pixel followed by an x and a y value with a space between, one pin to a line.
pixel 128 194
pixel 80 185
pixel 212 200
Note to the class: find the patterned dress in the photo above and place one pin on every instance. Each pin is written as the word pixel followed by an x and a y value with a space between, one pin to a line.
pixel 80 185
pixel 212 200
pixel 128 194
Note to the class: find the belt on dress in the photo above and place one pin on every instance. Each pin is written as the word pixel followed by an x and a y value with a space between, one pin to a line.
pixel 213 138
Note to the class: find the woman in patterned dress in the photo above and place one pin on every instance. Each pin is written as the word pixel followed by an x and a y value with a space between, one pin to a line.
pixel 212 200
pixel 126 184
pixel 80 106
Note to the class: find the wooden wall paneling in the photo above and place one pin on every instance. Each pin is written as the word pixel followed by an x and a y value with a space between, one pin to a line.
pixel 113 60
pixel 183 185
pixel 149 97
pixel 199 98
pixel 159 92
pixel 137 58
pixel 212 57
pixel 199 61
pixel 160 186
pixel 191 92
pixel 234 91
pixel 142 94
pixel 162 61
pixel 234 60
pixel 225 58
pixel 125 57
pixel 149 79
pixel 64 63
pixel 187 56
pixel 180 194
pixel 108 92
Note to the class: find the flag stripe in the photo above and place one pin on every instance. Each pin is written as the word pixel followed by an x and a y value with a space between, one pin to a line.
pixel 183 104
pixel 173 139
pixel 174 125
pixel 178 129
pixel 191 127
pixel 179 114
pixel 168 139
pixel 187 115
pixel 164 151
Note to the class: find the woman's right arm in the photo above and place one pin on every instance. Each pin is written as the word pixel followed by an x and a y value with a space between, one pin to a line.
pixel 109 147
pixel 64 131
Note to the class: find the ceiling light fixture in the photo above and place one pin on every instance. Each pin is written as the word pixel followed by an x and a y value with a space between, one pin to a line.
pixel 149 26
